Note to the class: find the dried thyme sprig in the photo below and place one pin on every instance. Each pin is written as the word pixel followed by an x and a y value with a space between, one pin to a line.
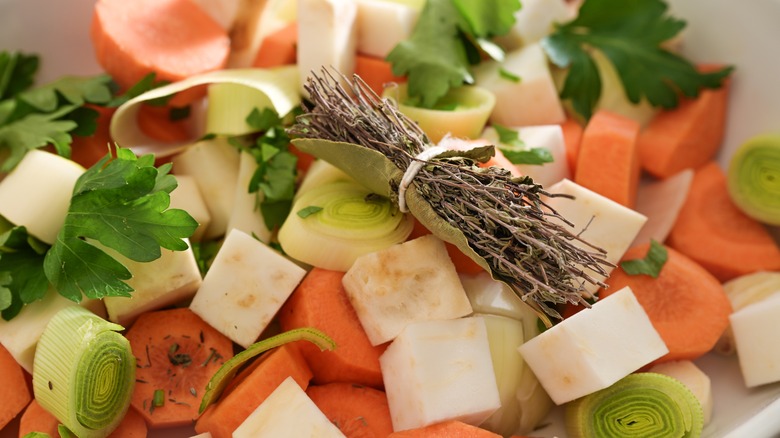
pixel 504 219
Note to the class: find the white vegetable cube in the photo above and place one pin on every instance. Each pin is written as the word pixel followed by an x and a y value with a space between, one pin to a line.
pixel 549 137
pixel 382 24
pixel 535 89
pixel 327 37
pixel 440 370
pixel 246 215
pixel 287 412
pixel 755 329
pixel 594 348
pixel 171 279
pixel 187 197
pixel 598 219
pixel 410 282
pixel 37 193
pixel 537 18
pixel 244 288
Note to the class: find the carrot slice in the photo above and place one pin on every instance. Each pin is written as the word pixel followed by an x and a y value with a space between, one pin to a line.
pixel 572 136
pixel 687 136
pixel 173 38
pixel 37 419
pixel 304 160
pixel 446 429
pixel 685 303
pixel 320 302
pixel 14 388
pixel 88 150
pixel 375 72
pixel 177 353
pixel 251 387
pixel 278 48
pixel 155 121
pixel 358 411
pixel 607 161
pixel 463 263
pixel 714 232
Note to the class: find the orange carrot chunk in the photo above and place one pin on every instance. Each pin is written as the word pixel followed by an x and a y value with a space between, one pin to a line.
pixel 88 150
pixel 685 137
pixel 14 388
pixel 38 419
pixel 358 411
pixel 320 302
pixel 375 72
pixel 156 122
pixel 173 38
pixel 278 48
pixel 446 429
pixel 607 161
pixel 176 353
pixel 685 303
pixel 714 232
pixel 572 136
pixel 251 387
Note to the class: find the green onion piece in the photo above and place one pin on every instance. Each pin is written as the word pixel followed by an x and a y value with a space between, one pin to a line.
pixel 158 400
pixel 352 221
pixel 639 405
pixel 84 372
pixel 229 369
pixel 754 178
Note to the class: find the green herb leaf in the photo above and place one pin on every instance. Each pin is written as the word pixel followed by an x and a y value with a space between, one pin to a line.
pixel 34 131
pixel 17 73
pixel 508 136
pixel 508 75
pixel 483 19
pixel 145 84
pixel 518 152
pixel 308 211
pixel 652 263
pixel 158 399
pixel 122 204
pixel 630 34
pixel 21 259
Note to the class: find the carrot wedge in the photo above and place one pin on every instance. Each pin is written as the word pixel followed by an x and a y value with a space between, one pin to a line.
pixel 358 411
pixel 607 159
pixel 37 419
pixel 375 72
pixel 572 136
pixel 14 388
pixel 278 48
pixel 714 232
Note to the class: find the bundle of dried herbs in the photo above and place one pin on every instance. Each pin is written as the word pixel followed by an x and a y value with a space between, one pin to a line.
pixel 500 221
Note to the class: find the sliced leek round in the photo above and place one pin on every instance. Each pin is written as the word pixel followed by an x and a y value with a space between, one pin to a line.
pixel 330 226
pixel 648 405
pixel 84 372
pixel 754 178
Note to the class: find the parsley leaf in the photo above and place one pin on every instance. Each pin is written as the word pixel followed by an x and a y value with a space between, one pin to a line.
pixel 629 33
pixel 650 265
pixel 308 211
pixel 121 203
pixel 21 270
pixel 17 73
pixel 518 152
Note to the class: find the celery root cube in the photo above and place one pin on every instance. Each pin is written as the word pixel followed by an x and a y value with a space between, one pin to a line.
pixel 755 329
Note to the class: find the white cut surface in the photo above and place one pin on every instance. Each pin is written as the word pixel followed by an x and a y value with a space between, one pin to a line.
pixel 660 201
pixel 492 297
pixel 536 19
pixel 187 197
pixel 244 288
pixel 755 328
pixel 229 104
pixel 287 412
pixel 411 282
pixel 382 24
pixel 548 137
pixel 246 215
pixel 594 348
pixel 37 192
pixel 440 370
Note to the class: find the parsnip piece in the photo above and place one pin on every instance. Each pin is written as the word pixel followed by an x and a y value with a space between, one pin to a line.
pixel 693 378
pixel 594 348
pixel 535 90
pixel 187 197
pixel 171 279
pixel 599 220
pixel 244 288
pixel 535 20
pixel 214 166
pixel 327 37
pixel 493 297
pixel 382 24
pixel 246 215
pixel 37 193
pixel 440 370
pixel 287 412
pixel 755 329
pixel 548 137
pixel 411 282
pixel 660 201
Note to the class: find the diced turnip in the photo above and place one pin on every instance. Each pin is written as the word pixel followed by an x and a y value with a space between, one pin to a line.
pixel 287 412
pixel 246 215
pixel 410 282
pixel 171 279
pixel 661 201
pixel 214 166
pixel 244 288
pixel 598 220
pixel 594 348
pixel 382 24
pixel 535 89
pixel 37 193
pixel 490 296
pixel 755 328
pixel 187 197
pixel 693 378
pixel 548 137
pixel 535 20
pixel 440 370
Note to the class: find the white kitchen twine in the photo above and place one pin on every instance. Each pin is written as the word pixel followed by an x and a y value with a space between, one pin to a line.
pixel 413 169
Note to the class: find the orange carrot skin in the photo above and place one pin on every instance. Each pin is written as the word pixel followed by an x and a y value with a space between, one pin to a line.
pixel 686 304
pixel 278 48
pixel 446 429
pixel 251 387
pixel 155 122
pixel 320 301
pixel 607 160
pixel 38 419
pixel 88 150
pixel 358 411
pixel 376 72
pixel 176 352
pixel 688 136
pixel 714 232
pixel 572 136
pixel 15 388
